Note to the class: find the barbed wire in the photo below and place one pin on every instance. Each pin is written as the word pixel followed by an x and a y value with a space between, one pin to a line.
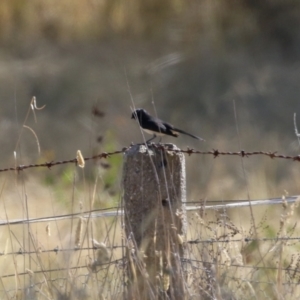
pixel 57 250
pixel 246 240
pixel 51 164
pixel 121 262
pixel 164 147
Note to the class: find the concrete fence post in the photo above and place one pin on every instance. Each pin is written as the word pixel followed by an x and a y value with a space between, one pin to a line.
pixel 154 186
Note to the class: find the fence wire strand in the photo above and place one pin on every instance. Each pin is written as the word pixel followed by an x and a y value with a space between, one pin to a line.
pixel 190 151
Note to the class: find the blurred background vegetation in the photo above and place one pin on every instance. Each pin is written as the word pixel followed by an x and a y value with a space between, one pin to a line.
pixel 195 62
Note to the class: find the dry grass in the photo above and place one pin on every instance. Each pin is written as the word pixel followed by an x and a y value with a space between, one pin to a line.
pixel 241 264
pixel 229 254
pixel 80 258
pixel 54 258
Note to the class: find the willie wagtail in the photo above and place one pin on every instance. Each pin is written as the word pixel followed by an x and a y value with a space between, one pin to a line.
pixel 156 126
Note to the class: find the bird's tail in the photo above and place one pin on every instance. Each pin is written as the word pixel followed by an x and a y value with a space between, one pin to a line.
pixel 191 135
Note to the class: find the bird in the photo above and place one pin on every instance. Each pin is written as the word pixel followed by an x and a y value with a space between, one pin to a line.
pixel 157 127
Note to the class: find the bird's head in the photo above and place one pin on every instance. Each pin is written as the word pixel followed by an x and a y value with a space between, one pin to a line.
pixel 138 113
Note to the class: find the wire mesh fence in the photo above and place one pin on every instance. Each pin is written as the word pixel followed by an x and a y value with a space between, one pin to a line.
pixel 84 254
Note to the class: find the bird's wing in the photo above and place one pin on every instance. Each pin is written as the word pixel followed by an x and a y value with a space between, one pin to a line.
pixel 158 125
pixel 169 128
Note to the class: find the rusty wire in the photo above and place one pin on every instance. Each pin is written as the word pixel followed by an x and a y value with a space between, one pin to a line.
pixel 51 164
pixel 214 152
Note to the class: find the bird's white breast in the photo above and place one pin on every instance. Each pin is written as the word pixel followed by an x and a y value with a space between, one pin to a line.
pixel 151 132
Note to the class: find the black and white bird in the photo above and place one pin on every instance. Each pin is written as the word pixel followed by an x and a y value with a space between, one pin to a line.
pixel 157 127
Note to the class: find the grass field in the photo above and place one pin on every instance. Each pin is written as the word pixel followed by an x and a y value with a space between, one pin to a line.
pixel 238 253
pixel 226 71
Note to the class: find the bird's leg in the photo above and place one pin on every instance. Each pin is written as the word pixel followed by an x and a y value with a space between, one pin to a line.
pixel 154 136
